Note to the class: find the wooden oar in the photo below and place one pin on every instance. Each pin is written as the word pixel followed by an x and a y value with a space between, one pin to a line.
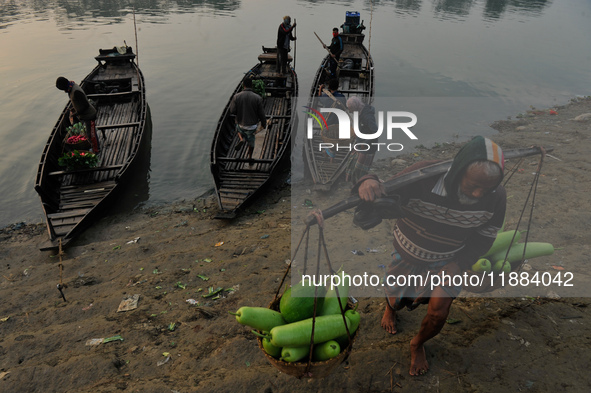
pixel 411 177
pixel 324 46
pixel 328 50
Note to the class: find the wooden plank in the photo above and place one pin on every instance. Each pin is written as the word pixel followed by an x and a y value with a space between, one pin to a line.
pixel 64 230
pixel 96 169
pixel 120 94
pixel 122 125
pixel 96 196
pixel 69 214
pixel 79 205
pixel 236 193
pixel 272 57
pixel 259 141
pixel 242 184
pixel 232 159
pixel 355 91
pixel 107 185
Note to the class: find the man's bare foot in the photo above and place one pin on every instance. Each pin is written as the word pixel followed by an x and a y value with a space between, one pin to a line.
pixel 389 320
pixel 418 360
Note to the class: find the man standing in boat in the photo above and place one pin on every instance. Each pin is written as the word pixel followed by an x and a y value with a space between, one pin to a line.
pixel 284 35
pixel 335 49
pixel 447 222
pixel 248 108
pixel 81 108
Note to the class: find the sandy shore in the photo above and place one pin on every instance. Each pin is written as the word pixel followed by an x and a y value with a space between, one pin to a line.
pixel 171 254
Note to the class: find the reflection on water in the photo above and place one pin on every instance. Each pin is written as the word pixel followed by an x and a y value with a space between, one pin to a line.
pixel 78 14
pixel 73 15
pixel 457 8
pixel 512 53
pixel 409 6
pixel 494 9
pixel 460 9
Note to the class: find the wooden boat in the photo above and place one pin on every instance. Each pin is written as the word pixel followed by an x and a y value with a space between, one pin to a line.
pixel 236 178
pixel 356 77
pixel 73 200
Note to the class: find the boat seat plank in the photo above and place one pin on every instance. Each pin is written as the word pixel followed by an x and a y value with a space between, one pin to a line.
pixel 361 91
pixel 93 198
pixel 271 88
pixel 241 185
pixel 106 184
pixel 232 159
pixel 97 169
pixel 227 193
pixel 266 57
pixel 69 214
pixel 119 94
pixel 116 57
pixel 63 230
pixel 122 125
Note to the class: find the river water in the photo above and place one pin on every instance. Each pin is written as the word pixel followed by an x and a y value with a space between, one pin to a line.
pixel 489 58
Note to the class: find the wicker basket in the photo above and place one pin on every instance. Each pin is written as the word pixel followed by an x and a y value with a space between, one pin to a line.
pixel 80 146
pixel 300 369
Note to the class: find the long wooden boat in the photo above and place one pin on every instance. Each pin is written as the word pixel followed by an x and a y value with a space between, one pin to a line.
pixel 356 77
pixel 73 200
pixel 236 178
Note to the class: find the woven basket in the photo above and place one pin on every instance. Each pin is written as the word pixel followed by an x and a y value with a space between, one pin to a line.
pixel 300 369
pixel 80 146
pixel 331 135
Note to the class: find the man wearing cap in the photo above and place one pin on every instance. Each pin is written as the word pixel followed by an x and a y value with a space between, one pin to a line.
pixel 81 108
pixel 445 223
pixel 284 35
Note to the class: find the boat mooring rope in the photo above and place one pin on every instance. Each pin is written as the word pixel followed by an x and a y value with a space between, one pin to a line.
pixel 137 50
pixel 61 286
pixel 369 38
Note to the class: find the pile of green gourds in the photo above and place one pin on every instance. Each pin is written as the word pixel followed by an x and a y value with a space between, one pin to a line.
pixel 502 254
pixel 286 335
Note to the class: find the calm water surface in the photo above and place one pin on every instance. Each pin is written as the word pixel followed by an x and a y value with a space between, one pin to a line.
pixel 485 59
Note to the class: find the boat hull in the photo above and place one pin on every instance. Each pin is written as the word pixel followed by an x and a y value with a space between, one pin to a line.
pixel 73 200
pixel 236 179
pixel 356 78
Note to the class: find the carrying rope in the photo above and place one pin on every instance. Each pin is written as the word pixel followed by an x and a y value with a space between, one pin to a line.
pixel 533 189
pixel 322 250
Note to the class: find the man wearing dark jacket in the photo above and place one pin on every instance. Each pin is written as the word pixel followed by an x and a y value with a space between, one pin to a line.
pixel 447 223
pixel 284 35
pixel 248 108
pixel 335 49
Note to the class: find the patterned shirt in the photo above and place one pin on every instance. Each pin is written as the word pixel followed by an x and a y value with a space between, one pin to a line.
pixel 437 228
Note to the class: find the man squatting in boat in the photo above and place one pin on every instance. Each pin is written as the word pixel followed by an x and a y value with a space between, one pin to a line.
pixel 81 108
